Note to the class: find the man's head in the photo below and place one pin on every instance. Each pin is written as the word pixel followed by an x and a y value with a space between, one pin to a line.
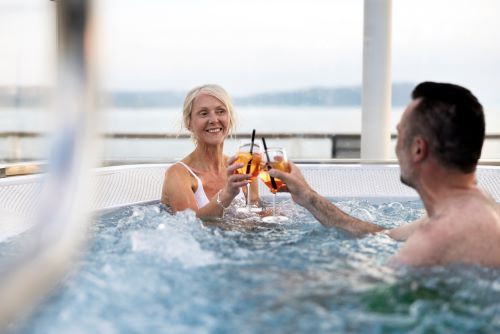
pixel 450 120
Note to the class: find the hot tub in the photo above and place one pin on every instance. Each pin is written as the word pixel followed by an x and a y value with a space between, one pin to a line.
pixel 146 270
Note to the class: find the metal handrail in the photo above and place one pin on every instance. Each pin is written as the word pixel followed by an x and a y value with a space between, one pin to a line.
pixel 156 135
pixel 343 146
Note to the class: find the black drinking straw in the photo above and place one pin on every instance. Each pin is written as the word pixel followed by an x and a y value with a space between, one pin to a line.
pixel 268 163
pixel 251 152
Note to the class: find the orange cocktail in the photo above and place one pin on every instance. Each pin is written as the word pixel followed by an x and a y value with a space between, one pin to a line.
pixel 279 163
pixel 275 159
pixel 251 163
pixel 249 154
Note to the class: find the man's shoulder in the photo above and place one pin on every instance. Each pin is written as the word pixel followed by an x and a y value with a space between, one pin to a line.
pixel 477 206
pixel 474 218
pixel 466 229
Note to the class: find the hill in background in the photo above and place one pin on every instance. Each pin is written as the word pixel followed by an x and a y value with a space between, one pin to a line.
pixel 320 96
pixel 341 96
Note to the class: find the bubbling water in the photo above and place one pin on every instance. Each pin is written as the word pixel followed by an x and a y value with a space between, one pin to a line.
pixel 146 270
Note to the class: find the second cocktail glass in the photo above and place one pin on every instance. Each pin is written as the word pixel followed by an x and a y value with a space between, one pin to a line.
pixel 275 158
pixel 250 155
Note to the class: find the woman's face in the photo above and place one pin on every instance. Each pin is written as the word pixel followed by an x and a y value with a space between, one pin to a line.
pixel 209 120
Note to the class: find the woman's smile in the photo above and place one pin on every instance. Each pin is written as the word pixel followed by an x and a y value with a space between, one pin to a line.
pixel 214 130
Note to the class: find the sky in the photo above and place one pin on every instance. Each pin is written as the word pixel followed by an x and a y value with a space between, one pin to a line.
pixel 259 45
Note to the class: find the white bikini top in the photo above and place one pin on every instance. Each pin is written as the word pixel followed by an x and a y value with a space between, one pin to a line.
pixel 201 197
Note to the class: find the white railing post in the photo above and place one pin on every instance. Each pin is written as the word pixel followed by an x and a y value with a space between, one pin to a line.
pixel 61 224
pixel 376 108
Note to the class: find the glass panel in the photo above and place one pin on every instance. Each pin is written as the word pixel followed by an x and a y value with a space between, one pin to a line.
pixel 290 67
pixel 27 49
pixel 451 41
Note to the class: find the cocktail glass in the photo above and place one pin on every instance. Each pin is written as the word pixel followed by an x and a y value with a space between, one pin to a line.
pixel 251 157
pixel 275 159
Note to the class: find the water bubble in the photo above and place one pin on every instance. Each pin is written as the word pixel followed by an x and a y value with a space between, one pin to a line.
pixel 363 214
pixel 170 244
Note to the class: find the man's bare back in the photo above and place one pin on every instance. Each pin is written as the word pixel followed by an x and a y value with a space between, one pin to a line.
pixel 466 229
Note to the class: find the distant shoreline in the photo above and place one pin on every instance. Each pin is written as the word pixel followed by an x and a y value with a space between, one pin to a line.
pixel 347 96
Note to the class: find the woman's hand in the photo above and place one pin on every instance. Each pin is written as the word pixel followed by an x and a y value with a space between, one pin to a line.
pixel 234 182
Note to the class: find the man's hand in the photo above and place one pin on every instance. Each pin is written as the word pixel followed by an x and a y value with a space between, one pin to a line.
pixel 295 182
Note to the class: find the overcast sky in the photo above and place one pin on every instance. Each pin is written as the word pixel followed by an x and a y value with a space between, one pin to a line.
pixel 259 45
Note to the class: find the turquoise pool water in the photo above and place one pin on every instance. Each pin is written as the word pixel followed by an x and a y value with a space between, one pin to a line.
pixel 147 271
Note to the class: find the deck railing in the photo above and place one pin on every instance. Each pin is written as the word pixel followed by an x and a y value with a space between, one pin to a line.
pixel 342 146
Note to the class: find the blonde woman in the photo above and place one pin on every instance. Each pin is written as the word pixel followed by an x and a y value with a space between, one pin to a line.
pixel 205 181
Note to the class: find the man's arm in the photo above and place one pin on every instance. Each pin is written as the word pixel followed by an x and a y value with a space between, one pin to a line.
pixel 331 216
pixel 323 210
pixel 401 233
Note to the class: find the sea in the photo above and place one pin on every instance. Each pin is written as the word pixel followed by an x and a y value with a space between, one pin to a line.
pixel 299 120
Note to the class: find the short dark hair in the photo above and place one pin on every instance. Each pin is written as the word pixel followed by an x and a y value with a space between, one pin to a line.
pixel 451 119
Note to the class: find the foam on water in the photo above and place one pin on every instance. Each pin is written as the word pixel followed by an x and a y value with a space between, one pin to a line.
pixel 173 240
pixel 146 270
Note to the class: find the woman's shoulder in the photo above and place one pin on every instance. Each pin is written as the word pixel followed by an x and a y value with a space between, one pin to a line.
pixel 177 170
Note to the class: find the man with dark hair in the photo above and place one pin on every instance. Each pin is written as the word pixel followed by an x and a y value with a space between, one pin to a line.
pixel 439 143
pixel 452 120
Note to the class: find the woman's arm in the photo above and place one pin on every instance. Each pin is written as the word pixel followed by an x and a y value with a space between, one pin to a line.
pixel 224 197
pixel 178 192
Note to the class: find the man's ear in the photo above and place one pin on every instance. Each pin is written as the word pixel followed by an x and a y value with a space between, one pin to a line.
pixel 419 149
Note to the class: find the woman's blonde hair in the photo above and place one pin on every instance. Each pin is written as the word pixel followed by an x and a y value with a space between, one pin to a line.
pixel 213 90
